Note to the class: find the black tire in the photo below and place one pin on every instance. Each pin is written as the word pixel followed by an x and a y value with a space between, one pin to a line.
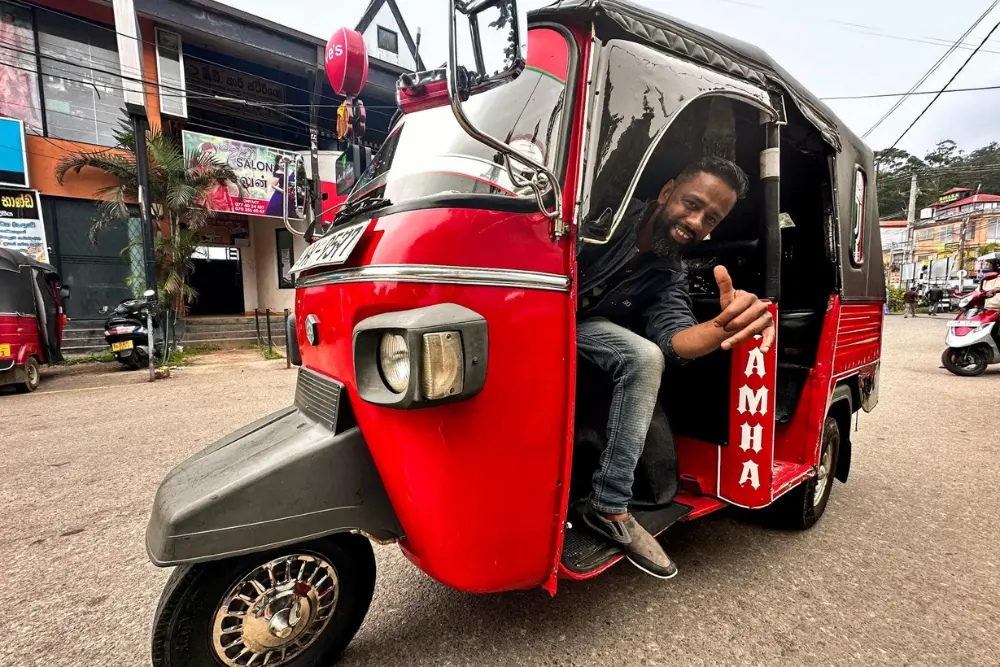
pixel 967 361
pixel 183 623
pixel 137 360
pixel 800 509
pixel 33 373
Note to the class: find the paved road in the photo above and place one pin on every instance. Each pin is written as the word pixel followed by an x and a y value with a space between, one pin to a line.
pixel 904 569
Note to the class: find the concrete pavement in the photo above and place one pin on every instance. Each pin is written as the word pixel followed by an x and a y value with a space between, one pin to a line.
pixel 904 568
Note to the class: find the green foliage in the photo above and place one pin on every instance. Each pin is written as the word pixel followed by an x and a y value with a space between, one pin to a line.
pixel 269 356
pixel 896 299
pixel 941 169
pixel 177 187
pixel 105 357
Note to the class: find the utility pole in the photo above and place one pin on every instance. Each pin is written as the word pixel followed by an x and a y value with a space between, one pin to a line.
pixel 911 217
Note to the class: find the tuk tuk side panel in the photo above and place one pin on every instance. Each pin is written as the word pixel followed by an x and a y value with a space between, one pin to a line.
pixel 797 441
pixel 476 484
pixel 862 280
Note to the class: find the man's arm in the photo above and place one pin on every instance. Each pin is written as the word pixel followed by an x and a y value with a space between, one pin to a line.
pixel 673 326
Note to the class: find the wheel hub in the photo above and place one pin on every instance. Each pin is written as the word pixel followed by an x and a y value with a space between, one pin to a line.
pixel 275 612
pixel 823 474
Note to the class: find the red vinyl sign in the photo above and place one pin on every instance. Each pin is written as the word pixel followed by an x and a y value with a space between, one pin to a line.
pixel 347 62
pixel 745 466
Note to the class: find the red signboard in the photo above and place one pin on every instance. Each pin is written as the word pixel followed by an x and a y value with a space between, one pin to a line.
pixel 347 62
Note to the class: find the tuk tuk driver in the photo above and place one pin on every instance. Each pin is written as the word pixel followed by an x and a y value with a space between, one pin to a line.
pixel 638 277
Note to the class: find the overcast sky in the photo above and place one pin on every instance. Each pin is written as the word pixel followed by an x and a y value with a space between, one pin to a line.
pixel 832 48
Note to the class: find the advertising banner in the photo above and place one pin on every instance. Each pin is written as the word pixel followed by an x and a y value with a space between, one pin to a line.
pixel 258 172
pixel 21 226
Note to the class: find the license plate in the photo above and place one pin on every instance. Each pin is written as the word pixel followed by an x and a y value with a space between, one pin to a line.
pixel 332 249
pixel 5 350
pixel 965 324
pixel 122 345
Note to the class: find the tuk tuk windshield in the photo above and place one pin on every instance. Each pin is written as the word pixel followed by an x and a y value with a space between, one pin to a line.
pixel 428 153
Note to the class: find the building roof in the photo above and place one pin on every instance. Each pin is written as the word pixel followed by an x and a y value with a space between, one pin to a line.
pixel 369 16
pixel 974 199
pixel 953 190
pixel 891 224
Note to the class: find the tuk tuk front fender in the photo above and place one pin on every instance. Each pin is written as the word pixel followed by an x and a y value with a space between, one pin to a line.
pixel 283 479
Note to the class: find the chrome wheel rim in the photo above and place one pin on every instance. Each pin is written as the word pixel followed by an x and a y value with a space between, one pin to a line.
pixel 32 375
pixel 823 474
pixel 276 611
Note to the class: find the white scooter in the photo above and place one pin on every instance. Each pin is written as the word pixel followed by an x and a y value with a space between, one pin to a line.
pixel 973 338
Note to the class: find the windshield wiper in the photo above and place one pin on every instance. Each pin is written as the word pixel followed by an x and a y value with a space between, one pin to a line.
pixel 361 206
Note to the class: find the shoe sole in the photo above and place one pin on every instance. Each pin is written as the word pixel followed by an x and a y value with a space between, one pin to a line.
pixel 652 574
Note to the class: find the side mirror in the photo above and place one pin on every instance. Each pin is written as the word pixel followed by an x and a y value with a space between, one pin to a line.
pixel 103 310
pixel 498 31
pixel 64 292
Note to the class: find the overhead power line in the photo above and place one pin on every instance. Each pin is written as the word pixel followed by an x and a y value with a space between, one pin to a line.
pixel 934 68
pixel 919 92
pixel 953 77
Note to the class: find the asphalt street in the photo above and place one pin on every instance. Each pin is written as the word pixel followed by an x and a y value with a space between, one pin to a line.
pixel 904 568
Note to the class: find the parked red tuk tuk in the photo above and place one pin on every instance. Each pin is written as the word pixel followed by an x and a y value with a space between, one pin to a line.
pixel 31 319
pixel 439 388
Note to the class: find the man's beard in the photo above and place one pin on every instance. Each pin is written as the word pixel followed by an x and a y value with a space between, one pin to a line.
pixel 664 244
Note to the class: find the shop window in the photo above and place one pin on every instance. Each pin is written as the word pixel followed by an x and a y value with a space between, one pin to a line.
pixel 945 234
pixel 858 217
pixel 19 96
pixel 286 258
pixel 170 71
pixel 970 231
pixel 388 40
pixel 925 235
pixel 81 80
pixel 993 235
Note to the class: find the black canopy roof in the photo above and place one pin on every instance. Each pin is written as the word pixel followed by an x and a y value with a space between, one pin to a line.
pixel 12 260
pixel 732 56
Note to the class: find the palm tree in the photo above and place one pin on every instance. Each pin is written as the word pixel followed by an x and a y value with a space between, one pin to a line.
pixel 179 192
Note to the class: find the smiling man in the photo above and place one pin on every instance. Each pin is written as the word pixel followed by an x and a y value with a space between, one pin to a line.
pixel 638 279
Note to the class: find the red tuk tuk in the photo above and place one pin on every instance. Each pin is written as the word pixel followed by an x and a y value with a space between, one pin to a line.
pixel 435 325
pixel 31 319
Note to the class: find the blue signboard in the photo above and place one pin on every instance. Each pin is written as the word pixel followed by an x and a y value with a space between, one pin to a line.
pixel 13 157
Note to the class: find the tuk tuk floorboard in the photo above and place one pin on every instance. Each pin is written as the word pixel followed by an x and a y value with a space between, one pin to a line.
pixel 903 569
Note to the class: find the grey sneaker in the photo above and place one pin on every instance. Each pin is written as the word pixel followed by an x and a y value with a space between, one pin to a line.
pixel 641 548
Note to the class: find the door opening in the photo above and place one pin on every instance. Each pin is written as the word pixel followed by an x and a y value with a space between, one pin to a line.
pixel 218 280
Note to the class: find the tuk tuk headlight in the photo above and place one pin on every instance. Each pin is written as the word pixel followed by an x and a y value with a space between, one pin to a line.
pixel 424 357
pixel 443 369
pixel 394 362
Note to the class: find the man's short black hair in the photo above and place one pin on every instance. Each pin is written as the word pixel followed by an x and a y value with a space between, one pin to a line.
pixel 728 171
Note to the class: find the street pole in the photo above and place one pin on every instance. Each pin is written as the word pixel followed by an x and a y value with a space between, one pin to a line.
pixel 140 126
pixel 911 217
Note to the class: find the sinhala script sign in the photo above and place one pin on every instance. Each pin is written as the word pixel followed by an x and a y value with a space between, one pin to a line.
pixel 21 226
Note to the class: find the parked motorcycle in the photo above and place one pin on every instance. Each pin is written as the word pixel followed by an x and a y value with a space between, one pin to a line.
pixel 127 333
pixel 973 338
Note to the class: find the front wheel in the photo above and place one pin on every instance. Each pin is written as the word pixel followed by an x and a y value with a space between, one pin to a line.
pixel 297 606
pixel 32 377
pixel 803 506
pixel 965 361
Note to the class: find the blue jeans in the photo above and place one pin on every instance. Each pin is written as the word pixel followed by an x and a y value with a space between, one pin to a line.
pixel 636 365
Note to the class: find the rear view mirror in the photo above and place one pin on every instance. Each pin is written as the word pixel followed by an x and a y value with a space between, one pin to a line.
pixel 149 294
pixel 64 292
pixel 497 48
pixel 103 310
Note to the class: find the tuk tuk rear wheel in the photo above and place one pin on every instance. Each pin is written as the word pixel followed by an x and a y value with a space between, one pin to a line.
pixel 32 377
pixel 802 507
pixel 298 606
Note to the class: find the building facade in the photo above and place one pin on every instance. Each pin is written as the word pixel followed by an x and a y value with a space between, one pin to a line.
pixel 215 79
pixel 961 225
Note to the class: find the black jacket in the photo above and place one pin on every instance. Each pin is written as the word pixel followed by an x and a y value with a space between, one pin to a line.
pixel 653 298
